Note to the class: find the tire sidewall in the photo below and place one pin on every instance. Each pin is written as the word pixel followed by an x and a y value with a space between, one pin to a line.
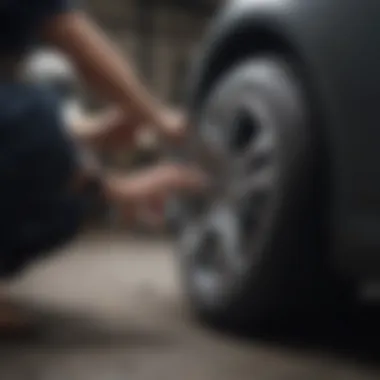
pixel 279 248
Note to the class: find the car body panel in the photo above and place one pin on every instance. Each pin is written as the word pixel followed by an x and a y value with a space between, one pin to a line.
pixel 338 42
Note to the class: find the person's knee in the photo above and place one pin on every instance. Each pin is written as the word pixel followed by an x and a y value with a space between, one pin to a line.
pixel 46 141
pixel 37 164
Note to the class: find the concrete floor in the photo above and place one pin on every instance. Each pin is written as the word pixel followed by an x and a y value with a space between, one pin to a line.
pixel 111 310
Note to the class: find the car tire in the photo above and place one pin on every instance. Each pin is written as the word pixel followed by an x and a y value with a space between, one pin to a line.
pixel 250 251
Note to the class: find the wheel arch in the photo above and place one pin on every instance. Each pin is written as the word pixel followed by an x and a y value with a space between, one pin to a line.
pixel 247 41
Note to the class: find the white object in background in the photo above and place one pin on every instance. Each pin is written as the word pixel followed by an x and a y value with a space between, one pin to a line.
pixel 53 68
pixel 46 65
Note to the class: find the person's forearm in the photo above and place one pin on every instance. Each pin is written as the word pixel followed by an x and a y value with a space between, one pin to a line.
pixel 101 63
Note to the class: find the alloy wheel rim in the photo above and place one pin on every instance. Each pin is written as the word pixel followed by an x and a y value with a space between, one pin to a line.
pixel 238 149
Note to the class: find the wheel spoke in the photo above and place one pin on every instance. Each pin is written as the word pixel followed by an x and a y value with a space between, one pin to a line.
pixel 259 151
pixel 226 221
pixel 214 247
pixel 192 236
pixel 263 146
pixel 259 181
pixel 255 159
pixel 216 116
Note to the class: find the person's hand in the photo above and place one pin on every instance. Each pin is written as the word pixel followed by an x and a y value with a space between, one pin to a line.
pixel 116 129
pixel 172 125
pixel 146 191
pixel 156 183
pixel 110 129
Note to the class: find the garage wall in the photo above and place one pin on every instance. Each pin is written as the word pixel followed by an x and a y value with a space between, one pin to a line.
pixel 162 50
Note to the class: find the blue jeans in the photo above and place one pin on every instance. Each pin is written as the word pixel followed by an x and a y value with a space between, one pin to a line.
pixel 38 209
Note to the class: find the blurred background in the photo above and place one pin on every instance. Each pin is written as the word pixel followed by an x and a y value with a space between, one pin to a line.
pixel 110 306
pixel 158 36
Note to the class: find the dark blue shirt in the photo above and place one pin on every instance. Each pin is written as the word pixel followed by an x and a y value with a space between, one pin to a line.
pixel 20 21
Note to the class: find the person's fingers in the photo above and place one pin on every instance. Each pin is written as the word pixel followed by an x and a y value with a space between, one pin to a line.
pixel 168 178
pixel 184 177
pixel 155 183
pixel 149 213
pixel 118 128
pixel 171 124
pixel 142 195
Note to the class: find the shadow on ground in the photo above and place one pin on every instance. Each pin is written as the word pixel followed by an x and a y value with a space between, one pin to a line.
pixel 94 346
pixel 346 334
pixel 63 330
